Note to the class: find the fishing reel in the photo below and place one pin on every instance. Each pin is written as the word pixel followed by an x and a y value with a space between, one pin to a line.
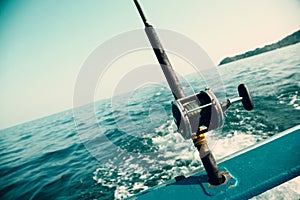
pixel 202 112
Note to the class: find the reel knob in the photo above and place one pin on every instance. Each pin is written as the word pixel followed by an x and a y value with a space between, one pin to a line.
pixel 246 97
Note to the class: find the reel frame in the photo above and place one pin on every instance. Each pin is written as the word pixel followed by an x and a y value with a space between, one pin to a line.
pixel 197 113
pixel 202 112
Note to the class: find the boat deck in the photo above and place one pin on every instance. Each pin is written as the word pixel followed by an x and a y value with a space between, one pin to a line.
pixel 254 171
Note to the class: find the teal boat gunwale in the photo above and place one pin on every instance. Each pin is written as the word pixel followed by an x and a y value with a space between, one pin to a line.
pixel 260 187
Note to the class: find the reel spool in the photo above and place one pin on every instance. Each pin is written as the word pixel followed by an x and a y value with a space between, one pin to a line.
pixel 202 112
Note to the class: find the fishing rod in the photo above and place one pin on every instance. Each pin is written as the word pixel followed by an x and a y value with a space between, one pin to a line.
pixel 196 114
pixel 162 57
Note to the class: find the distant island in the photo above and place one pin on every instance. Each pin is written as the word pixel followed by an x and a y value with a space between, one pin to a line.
pixel 289 40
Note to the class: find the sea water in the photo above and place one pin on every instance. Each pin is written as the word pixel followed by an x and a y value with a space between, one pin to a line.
pixel 131 148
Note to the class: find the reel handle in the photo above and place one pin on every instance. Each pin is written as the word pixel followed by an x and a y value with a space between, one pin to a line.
pixel 244 96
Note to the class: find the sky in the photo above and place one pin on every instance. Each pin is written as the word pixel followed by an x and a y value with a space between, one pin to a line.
pixel 45 43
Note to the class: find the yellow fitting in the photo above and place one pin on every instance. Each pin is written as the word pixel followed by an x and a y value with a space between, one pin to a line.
pixel 199 140
pixel 202 129
pixel 202 136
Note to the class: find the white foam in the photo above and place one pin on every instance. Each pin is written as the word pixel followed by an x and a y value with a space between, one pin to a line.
pixel 292 100
pixel 176 157
pixel 121 192
pixel 232 144
pixel 138 186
